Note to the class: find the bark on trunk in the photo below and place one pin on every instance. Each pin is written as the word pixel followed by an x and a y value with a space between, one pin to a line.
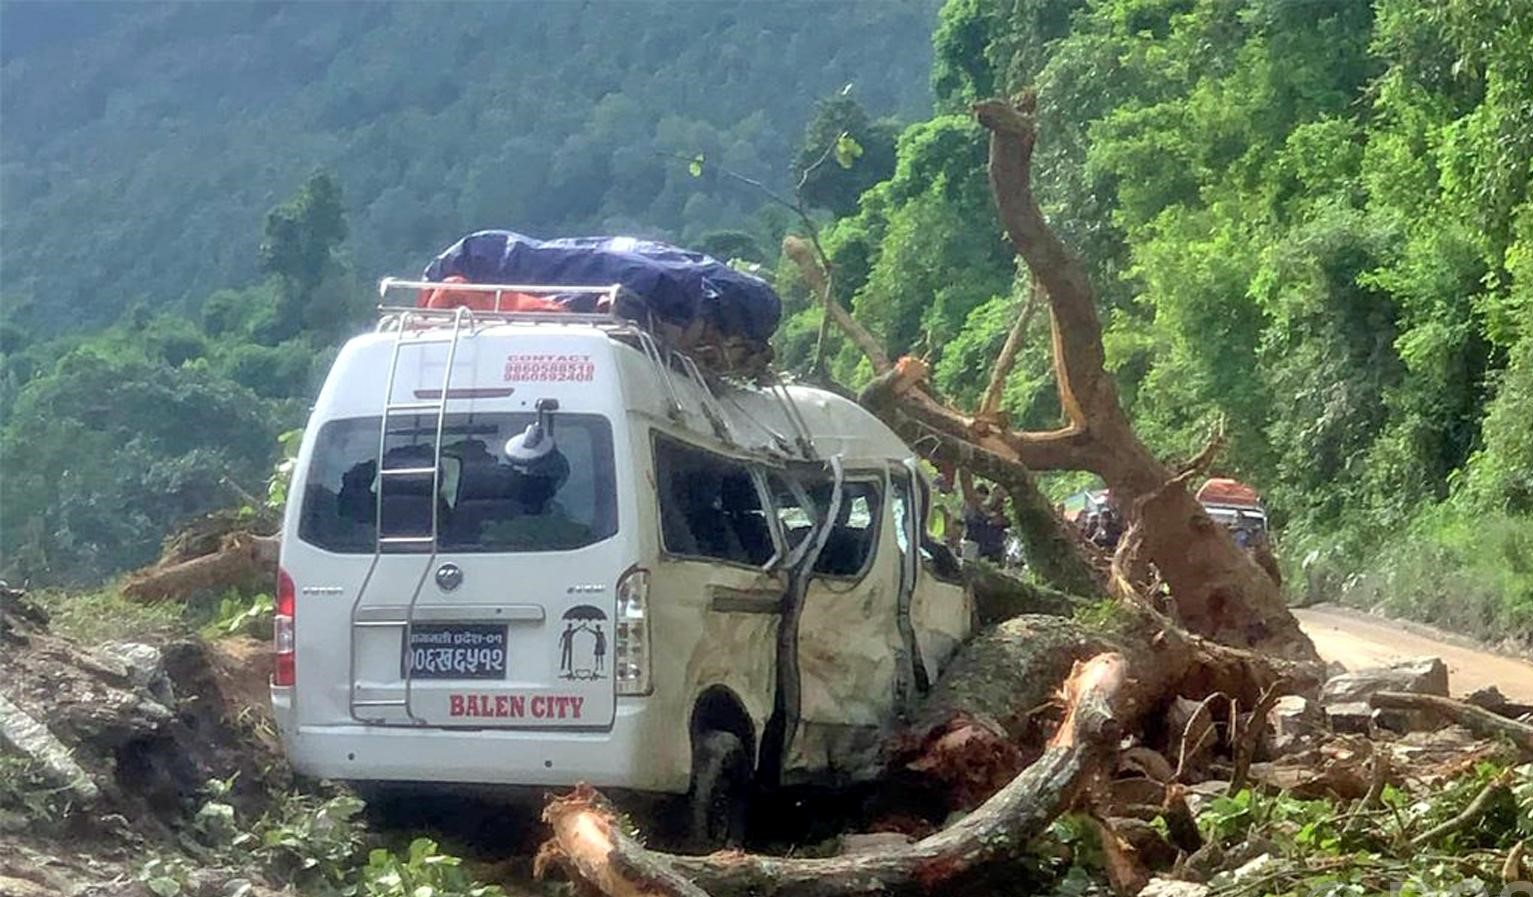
pixel 1052 547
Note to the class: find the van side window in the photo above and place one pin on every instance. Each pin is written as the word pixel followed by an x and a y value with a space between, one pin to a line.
pixel 796 520
pixel 853 538
pixel 709 506
pixel 854 535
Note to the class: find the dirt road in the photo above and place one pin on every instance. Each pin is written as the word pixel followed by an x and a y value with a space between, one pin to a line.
pixel 1358 640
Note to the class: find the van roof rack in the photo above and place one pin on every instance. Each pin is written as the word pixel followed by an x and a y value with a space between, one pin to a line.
pixel 386 309
pixel 646 338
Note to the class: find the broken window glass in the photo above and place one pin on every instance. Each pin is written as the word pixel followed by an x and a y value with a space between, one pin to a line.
pixel 710 506
pixel 482 502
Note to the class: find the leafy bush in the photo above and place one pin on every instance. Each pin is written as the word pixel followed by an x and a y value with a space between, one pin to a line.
pixel 240 615
pixel 424 871
pixel 313 844
pixel 1465 570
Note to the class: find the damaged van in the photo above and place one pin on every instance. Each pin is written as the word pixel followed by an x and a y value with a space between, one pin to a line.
pixel 539 548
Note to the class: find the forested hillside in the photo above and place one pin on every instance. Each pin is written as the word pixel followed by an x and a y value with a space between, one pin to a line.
pixel 1310 224
pixel 142 146
pixel 175 280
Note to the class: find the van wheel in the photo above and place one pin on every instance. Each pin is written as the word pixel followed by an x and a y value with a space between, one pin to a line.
pixel 720 797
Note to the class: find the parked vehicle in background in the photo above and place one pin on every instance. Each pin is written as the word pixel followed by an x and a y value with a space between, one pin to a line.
pixel 1236 506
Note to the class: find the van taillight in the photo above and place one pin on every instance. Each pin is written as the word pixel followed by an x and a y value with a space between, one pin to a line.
pixel 284 671
pixel 630 644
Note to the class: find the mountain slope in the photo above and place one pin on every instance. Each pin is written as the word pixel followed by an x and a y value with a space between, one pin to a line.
pixel 143 144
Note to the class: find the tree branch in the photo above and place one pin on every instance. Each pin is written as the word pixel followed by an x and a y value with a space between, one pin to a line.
pixel 1085 391
pixel 810 260
pixel 1008 358
pixel 966 853
pixel 1477 720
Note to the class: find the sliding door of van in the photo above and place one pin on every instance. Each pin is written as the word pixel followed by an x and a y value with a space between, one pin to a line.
pixel 850 648
pixel 718 595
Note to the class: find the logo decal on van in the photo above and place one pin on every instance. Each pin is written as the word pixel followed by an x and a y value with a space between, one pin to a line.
pixel 583 643
pixel 549 368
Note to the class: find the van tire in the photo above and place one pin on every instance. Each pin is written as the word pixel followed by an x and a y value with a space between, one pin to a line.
pixel 719 802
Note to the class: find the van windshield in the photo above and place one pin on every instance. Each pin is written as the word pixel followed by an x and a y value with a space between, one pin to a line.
pixel 483 502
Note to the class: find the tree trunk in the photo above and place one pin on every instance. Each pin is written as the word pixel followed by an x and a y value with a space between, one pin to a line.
pixel 1219 591
pixel 243 560
pixel 971 739
pixel 970 856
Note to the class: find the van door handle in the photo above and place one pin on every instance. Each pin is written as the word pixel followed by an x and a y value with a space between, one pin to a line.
pixel 727 600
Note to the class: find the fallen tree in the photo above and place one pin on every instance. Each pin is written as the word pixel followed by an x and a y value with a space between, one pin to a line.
pixel 1476 719
pixel 1219 591
pixel 589 840
pixel 242 558
pixel 972 737
pixel 969 739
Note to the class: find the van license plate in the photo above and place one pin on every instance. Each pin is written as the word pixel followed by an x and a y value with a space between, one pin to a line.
pixel 456 651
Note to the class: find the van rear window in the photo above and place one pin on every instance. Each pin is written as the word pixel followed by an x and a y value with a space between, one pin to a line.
pixel 483 503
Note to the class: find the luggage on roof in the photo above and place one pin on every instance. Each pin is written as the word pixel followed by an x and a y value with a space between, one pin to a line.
pixel 701 304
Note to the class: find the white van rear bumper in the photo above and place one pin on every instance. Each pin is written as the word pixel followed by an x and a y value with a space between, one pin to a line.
pixel 615 758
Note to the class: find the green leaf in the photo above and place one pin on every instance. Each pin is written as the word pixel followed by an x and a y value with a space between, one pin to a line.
pixel 696 166
pixel 389 879
pixel 848 150
pixel 164 887
pixel 421 848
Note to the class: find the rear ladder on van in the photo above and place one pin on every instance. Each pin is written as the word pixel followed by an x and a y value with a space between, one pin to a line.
pixel 365 708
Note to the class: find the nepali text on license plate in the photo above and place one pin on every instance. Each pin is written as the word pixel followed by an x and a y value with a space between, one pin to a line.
pixel 456 651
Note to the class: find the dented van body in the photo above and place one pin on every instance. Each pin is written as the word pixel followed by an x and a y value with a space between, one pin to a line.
pixel 740 559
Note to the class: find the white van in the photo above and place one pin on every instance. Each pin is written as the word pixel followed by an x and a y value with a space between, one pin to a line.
pixel 595 565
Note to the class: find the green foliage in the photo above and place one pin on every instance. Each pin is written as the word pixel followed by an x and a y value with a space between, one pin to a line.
pixel 1468 571
pixel 302 234
pixel 310 842
pixel 237 614
pixel 111 440
pixel 93 618
pixel 135 155
pixel 315 845
pixel 423 872
pixel 168 876
pixel 1320 846
pixel 282 473
pixel 106 451
pixel 1310 223
pixel 26 791
pixel 862 151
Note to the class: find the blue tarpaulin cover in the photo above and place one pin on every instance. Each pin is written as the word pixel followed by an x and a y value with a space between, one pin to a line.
pixel 660 280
